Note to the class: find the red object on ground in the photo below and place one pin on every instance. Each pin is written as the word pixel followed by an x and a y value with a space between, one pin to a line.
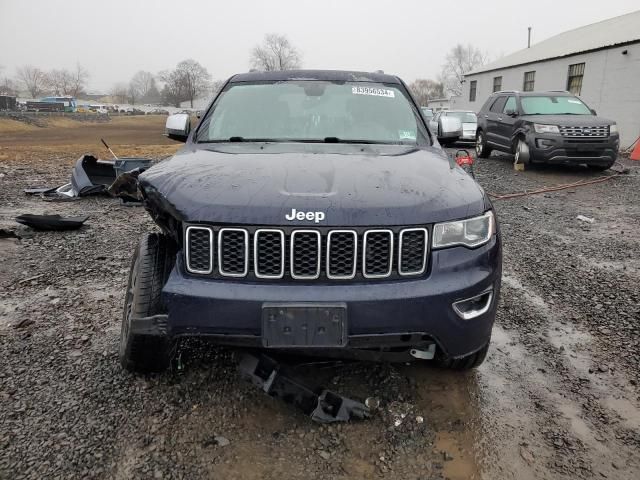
pixel 635 155
pixel 463 158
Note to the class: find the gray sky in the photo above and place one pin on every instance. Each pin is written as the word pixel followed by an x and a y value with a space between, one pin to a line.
pixel 115 38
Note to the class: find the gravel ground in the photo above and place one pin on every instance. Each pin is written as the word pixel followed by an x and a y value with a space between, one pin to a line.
pixel 557 398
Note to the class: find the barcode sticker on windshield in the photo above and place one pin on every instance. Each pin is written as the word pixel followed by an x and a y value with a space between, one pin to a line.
pixel 378 92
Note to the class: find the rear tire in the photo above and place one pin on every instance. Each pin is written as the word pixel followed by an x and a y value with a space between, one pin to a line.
pixel 150 267
pixel 467 362
pixel 482 150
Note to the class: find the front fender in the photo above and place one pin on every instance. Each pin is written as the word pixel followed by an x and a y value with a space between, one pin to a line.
pixel 523 130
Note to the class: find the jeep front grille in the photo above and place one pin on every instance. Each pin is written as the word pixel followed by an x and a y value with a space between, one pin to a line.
pixel 412 252
pixel 377 258
pixel 306 254
pixel 599 131
pixel 269 253
pixel 199 250
pixel 233 252
pixel 342 254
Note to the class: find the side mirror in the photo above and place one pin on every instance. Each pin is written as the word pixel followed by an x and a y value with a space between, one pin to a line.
pixel 511 113
pixel 593 112
pixel 178 127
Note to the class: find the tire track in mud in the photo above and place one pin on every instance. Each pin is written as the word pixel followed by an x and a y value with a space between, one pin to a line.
pixel 583 408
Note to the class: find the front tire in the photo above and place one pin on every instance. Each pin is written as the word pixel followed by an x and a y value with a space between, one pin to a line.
pixel 482 150
pixel 150 267
pixel 467 362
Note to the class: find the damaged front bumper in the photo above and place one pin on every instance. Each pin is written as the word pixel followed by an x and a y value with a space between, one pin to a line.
pixel 390 316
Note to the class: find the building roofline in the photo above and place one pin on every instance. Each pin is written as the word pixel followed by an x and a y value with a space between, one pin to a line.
pixel 582 52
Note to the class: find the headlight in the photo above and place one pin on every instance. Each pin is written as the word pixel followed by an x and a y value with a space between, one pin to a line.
pixel 471 232
pixel 540 128
pixel 613 128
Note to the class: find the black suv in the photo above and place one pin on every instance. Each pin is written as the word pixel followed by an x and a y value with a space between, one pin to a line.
pixel 546 127
pixel 313 211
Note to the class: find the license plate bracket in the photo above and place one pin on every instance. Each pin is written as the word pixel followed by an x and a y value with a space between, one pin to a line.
pixel 304 325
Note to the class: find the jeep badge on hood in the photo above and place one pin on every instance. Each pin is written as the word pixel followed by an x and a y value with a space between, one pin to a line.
pixel 317 217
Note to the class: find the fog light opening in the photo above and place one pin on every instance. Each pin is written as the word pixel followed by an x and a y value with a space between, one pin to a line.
pixel 545 143
pixel 473 307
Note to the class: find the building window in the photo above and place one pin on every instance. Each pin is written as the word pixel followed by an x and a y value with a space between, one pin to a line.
pixel 497 84
pixel 473 84
pixel 574 79
pixel 529 81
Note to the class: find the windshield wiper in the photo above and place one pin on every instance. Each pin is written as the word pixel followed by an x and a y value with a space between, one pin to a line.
pixel 239 139
pixel 352 140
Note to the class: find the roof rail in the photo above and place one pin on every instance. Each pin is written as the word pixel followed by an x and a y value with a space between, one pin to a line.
pixel 507 91
pixel 558 91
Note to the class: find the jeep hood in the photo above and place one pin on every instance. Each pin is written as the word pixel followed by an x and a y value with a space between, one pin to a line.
pixel 258 184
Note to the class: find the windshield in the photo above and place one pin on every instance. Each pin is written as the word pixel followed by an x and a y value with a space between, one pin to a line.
pixel 313 111
pixel 465 117
pixel 550 105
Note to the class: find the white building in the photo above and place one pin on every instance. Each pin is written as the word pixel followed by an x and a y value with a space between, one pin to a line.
pixel 599 62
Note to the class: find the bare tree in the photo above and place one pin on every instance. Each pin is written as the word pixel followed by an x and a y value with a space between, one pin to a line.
pixel 32 78
pixel 119 92
pixel 132 94
pixel 459 61
pixel 58 81
pixel 142 85
pixel 425 89
pixel 216 86
pixel 188 81
pixel 8 86
pixel 275 53
pixel 174 90
pixel 78 81
pixel 196 78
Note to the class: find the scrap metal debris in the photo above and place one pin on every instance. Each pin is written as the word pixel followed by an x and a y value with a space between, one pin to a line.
pixel 51 222
pixel 323 406
pixel 582 218
pixel 92 176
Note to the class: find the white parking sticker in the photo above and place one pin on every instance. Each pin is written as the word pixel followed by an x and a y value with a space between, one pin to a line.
pixel 378 92
pixel 406 135
pixel 574 101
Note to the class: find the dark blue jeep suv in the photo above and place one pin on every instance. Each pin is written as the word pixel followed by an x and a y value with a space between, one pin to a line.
pixel 314 212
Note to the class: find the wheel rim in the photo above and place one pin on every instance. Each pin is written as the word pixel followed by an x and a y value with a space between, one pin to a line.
pixel 479 144
pixel 522 152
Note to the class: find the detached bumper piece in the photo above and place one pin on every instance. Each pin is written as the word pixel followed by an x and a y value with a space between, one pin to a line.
pixel 91 176
pixel 51 222
pixel 323 406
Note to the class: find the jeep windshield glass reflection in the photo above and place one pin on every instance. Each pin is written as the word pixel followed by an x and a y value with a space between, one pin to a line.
pixel 313 111
pixel 549 105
